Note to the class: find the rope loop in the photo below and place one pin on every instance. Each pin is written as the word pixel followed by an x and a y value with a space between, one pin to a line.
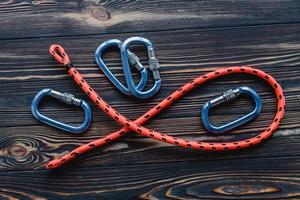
pixel 136 126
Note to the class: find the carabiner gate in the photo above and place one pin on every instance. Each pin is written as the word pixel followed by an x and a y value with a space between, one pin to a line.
pixel 227 96
pixel 65 98
pixel 153 66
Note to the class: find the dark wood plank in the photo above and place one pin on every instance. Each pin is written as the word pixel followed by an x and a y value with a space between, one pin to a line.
pixel 33 148
pixel 191 38
pixel 259 178
pixel 22 19
pixel 183 55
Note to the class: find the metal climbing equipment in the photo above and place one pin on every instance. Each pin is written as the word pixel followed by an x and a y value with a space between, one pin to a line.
pixel 65 98
pixel 153 66
pixel 134 60
pixel 136 125
pixel 228 96
pixel 129 58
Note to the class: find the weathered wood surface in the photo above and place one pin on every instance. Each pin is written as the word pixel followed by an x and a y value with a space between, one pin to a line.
pixel 24 19
pixel 193 38
pixel 238 179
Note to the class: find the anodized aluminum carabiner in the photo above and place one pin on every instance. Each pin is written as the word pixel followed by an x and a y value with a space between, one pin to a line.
pixel 133 59
pixel 227 96
pixel 65 98
pixel 153 66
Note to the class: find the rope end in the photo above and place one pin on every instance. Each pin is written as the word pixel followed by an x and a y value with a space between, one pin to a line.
pixel 59 54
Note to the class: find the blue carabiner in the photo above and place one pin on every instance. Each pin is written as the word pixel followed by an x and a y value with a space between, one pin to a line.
pixel 153 66
pixel 227 96
pixel 65 98
pixel 134 60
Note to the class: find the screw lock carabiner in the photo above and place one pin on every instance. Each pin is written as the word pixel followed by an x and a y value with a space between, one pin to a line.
pixel 67 99
pixel 130 59
pixel 153 66
pixel 134 60
pixel 228 96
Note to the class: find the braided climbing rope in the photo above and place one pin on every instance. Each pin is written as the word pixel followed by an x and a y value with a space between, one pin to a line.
pixel 129 125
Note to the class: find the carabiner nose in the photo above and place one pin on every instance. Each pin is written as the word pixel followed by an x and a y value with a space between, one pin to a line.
pixel 133 59
pixel 153 66
pixel 65 98
pixel 227 96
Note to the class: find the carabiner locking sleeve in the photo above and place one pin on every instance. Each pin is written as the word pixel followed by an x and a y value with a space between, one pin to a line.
pixel 65 98
pixel 227 96
pixel 153 66
pixel 133 59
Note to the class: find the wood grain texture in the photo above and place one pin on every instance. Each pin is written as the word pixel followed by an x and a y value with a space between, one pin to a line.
pixel 190 38
pixel 186 180
pixel 183 56
pixel 21 152
pixel 26 18
pixel 182 60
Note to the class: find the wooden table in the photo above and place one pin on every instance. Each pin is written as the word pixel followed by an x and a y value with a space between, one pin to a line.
pixel 190 38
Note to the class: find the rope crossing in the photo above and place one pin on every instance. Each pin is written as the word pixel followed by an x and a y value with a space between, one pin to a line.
pixel 128 125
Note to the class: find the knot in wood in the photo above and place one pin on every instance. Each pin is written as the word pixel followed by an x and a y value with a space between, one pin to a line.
pixel 17 150
pixel 98 12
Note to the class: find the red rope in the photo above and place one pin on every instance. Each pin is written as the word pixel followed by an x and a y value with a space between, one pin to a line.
pixel 129 125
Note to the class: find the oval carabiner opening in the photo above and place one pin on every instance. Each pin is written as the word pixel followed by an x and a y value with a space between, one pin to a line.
pixel 65 98
pixel 227 96
pixel 99 60
pixel 153 66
